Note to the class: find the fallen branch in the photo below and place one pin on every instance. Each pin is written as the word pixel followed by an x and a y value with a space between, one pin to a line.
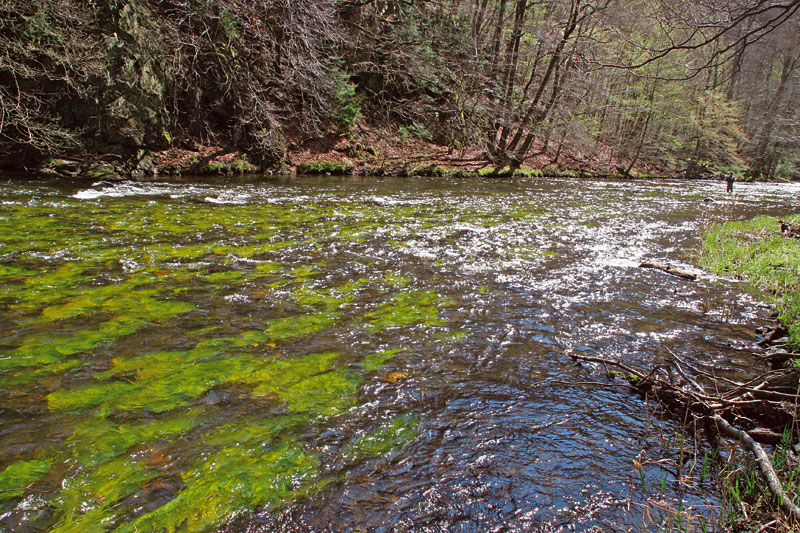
pixel 764 464
pixel 688 395
pixel 670 270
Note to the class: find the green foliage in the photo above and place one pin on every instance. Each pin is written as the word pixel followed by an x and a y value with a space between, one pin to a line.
pixel 235 166
pixel 39 28
pixel 527 172
pixel 347 102
pixel 415 130
pixel 229 24
pixel 716 131
pixel 746 492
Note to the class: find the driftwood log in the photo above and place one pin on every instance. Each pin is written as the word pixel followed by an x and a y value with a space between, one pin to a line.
pixel 669 269
pixel 733 407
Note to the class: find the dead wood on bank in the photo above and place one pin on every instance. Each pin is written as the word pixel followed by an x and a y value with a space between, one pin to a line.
pixel 750 413
pixel 789 229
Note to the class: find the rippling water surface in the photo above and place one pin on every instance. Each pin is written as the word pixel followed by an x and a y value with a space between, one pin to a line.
pixel 340 354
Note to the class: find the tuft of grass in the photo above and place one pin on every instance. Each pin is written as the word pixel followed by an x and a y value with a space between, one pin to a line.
pixel 749 502
pixel 325 167
pixel 756 251
pixel 494 172
pixel 236 166
pixel 528 172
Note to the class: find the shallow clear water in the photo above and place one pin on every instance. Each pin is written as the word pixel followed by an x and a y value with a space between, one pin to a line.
pixel 308 354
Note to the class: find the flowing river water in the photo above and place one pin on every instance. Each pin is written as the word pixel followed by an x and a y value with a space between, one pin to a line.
pixel 349 354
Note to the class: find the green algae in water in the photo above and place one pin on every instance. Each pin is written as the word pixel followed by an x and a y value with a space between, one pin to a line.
pixel 93 299
pixel 275 376
pixel 234 479
pixel 14 274
pixel 87 302
pixel 28 375
pixel 21 474
pixel 451 336
pixel 286 328
pixel 44 348
pixel 135 311
pixel 398 281
pixel 89 500
pixel 328 299
pixel 305 271
pixel 168 385
pixel 280 329
pixel 390 436
pixel 224 276
pixel 270 267
pixel 308 384
pixel 253 466
pixel 327 393
pixel 173 379
pixel 46 287
pixel 409 309
pixel 158 363
pixel 375 361
pixel 97 439
pixel 145 249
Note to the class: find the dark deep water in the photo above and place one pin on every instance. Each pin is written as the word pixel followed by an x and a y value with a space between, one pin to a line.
pixel 349 354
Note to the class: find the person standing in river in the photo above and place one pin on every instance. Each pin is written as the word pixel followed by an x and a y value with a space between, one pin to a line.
pixel 730 180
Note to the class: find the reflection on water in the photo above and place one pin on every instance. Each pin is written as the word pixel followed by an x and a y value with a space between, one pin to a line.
pixel 307 354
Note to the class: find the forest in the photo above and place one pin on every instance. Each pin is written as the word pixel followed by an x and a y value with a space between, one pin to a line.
pixel 382 346
pixel 677 88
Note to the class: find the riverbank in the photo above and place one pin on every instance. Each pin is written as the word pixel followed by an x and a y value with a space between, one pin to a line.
pixel 764 252
pixel 369 155
pixel 369 152
pixel 757 251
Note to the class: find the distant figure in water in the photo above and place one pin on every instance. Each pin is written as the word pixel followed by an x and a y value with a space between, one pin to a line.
pixel 730 180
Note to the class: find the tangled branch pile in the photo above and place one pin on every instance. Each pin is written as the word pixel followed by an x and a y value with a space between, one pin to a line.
pixel 752 413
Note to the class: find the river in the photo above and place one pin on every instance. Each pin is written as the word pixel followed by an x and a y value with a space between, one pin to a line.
pixel 352 354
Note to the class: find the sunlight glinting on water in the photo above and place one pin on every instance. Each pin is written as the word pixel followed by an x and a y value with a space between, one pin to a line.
pixel 304 354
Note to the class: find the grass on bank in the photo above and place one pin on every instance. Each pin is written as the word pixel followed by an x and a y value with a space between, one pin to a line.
pixel 756 251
